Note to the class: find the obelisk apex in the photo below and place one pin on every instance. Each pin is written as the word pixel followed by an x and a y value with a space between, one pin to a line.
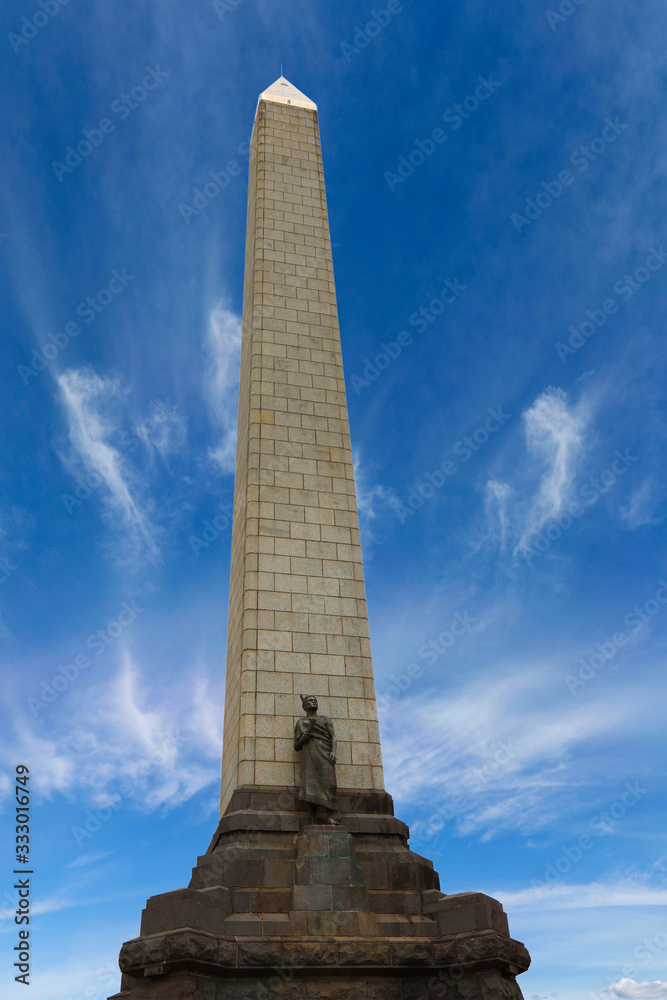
pixel 284 92
pixel 297 610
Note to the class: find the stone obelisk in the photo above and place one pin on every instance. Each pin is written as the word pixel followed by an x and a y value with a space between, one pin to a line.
pixel 280 906
pixel 297 608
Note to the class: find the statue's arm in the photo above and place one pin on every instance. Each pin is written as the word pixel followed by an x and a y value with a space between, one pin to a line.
pixel 300 737
pixel 334 744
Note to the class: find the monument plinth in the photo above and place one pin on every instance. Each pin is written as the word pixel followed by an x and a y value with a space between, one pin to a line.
pixel 308 888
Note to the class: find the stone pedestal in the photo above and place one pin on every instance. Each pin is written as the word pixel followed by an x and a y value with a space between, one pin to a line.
pixel 277 908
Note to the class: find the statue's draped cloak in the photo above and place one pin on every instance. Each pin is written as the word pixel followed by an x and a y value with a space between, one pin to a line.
pixel 318 777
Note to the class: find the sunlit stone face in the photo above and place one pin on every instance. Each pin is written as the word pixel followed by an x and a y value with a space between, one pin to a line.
pixel 297 612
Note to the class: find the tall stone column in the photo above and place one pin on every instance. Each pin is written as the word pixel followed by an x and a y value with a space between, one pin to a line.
pixel 297 607
pixel 280 906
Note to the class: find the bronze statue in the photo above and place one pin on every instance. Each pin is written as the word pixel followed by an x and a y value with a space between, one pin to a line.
pixel 314 737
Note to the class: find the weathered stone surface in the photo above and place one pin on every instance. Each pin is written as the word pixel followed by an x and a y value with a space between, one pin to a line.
pixel 183 986
pixel 481 946
pixel 364 953
pixel 131 955
pixel 340 923
pixel 330 871
pixel 186 908
pixel 154 950
pixel 190 945
pixel 412 951
pixel 349 897
pixel 388 901
pixel 305 953
pixel 302 871
pixel 286 985
pixel 467 911
pixel 243 925
pixel 227 953
pixel 376 875
pixel 276 925
pixel 279 874
pixel 312 897
pixel 270 900
pixel 256 952
pixel 489 986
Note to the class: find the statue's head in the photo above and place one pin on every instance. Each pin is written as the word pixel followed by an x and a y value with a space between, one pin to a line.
pixel 309 701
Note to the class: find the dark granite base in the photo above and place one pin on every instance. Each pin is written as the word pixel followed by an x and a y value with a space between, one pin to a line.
pixel 279 908
pixel 348 984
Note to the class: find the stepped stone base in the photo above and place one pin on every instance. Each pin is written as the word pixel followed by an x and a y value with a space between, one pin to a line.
pixel 283 909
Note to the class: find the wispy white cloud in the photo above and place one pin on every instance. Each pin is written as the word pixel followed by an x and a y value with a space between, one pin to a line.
pixel 221 381
pixel 373 499
pixel 115 735
pixel 497 497
pixel 562 896
pixel 209 717
pixel 164 429
pixel 87 859
pixel 554 438
pixel 77 975
pixel 168 761
pixel 52 769
pixel 493 754
pixel 91 405
pixel 544 475
pixel 50 904
pixel 642 508
pixel 628 989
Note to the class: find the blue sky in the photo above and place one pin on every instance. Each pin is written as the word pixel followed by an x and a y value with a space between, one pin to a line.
pixel 495 178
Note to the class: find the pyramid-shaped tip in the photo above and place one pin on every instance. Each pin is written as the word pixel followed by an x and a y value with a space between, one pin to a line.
pixel 284 92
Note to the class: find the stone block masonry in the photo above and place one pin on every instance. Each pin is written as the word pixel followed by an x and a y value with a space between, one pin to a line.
pixel 297 616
